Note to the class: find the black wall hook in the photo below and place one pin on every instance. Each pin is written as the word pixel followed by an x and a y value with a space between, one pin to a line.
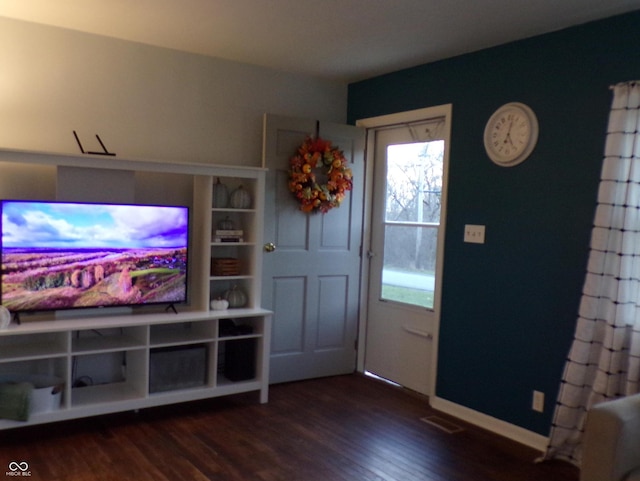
pixel 104 149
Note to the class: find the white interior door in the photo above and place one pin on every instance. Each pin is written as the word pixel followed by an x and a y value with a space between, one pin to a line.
pixel 406 249
pixel 311 280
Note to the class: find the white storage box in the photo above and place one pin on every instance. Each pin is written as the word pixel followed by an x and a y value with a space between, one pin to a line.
pixel 47 390
pixel 47 393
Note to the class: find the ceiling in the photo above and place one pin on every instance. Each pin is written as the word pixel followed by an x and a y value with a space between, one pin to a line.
pixel 346 40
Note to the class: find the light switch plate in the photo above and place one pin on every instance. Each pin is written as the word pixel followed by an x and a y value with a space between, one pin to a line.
pixel 474 233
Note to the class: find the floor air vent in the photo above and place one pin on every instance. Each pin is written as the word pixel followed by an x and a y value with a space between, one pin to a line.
pixel 442 424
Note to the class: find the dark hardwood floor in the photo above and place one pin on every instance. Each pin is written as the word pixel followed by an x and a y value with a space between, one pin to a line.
pixel 341 428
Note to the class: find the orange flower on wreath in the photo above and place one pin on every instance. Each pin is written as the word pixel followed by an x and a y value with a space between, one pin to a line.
pixel 336 177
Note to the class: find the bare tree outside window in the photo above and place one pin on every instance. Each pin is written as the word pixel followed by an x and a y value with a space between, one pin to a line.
pixel 412 218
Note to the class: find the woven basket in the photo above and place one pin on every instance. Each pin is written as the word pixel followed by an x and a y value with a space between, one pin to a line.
pixel 225 266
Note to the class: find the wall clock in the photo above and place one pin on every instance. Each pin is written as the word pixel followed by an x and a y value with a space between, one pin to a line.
pixel 511 134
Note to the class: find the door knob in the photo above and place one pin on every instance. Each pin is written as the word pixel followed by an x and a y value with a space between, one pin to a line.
pixel 269 247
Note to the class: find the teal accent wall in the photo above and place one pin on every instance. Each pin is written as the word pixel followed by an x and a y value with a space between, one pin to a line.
pixel 509 306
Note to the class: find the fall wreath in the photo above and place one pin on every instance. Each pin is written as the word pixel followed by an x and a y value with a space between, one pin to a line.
pixel 318 176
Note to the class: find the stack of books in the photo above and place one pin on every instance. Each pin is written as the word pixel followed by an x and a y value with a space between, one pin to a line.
pixel 222 235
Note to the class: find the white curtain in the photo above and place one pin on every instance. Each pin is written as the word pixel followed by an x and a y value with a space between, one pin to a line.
pixel 604 360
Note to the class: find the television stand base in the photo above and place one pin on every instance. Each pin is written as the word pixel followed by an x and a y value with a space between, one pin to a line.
pixel 171 307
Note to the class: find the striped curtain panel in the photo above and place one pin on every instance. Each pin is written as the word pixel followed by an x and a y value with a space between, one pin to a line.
pixel 604 359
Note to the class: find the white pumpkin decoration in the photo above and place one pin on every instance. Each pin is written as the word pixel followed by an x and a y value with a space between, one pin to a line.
pixel 220 195
pixel 219 304
pixel 226 224
pixel 236 297
pixel 240 198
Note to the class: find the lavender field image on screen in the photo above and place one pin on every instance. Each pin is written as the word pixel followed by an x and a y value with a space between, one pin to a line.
pixel 59 255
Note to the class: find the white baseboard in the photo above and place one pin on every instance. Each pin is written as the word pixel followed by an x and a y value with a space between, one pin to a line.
pixel 497 426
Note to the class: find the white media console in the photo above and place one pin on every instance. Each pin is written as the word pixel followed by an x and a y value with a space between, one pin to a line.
pixel 144 357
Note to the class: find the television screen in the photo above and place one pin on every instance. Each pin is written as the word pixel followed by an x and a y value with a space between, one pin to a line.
pixel 69 255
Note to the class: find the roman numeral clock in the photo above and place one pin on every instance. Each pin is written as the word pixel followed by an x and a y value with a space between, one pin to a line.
pixel 511 134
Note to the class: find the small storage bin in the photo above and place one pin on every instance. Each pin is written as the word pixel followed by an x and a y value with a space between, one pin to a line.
pixel 47 393
pixel 47 390
pixel 225 266
pixel 240 359
pixel 173 368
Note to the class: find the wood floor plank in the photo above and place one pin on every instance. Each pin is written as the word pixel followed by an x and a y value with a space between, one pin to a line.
pixel 345 428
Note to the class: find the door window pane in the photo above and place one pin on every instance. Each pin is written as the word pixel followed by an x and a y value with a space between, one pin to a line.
pixel 414 182
pixel 408 272
pixel 412 217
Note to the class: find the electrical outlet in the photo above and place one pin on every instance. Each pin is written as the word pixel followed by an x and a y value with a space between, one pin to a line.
pixel 474 233
pixel 538 401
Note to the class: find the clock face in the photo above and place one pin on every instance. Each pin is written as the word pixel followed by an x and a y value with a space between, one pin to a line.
pixel 511 134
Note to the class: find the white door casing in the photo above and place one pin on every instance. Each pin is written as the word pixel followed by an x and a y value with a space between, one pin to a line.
pixel 311 281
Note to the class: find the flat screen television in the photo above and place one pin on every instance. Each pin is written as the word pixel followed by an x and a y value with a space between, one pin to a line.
pixel 71 255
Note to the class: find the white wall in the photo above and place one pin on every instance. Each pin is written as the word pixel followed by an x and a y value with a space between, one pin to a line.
pixel 144 102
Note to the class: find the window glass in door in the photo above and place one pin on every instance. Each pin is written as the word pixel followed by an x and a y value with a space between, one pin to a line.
pixel 413 196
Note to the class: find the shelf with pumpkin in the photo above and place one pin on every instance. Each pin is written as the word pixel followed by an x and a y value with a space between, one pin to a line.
pixel 236 292
pixel 233 194
pixel 229 238
pixel 231 227
pixel 235 230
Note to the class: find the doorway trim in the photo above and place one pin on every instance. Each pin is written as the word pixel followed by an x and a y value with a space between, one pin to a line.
pixel 371 124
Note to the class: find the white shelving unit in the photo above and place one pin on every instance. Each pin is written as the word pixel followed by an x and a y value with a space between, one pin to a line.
pixel 49 349
pixel 248 251
pixel 136 340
